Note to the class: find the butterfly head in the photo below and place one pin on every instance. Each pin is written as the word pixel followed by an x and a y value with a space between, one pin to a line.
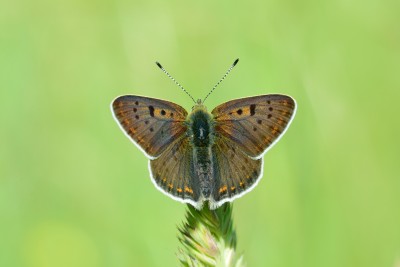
pixel 199 106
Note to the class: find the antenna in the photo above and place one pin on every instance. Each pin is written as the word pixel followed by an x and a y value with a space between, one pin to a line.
pixel 180 86
pixel 223 77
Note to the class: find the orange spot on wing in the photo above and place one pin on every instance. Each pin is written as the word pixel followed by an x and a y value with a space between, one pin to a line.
pixel 170 186
pixel 233 188
pixel 241 184
pixel 275 130
pixel 179 190
pixel 223 189
pixel 164 179
pixel 188 190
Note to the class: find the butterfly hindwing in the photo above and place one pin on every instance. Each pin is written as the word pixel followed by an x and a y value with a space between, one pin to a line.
pixel 254 123
pixel 173 172
pixel 234 172
pixel 152 124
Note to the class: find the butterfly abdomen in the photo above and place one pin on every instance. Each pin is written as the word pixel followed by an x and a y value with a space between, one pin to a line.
pixel 203 165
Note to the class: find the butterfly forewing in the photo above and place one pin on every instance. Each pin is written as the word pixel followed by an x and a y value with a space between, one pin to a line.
pixel 254 123
pixel 234 171
pixel 152 124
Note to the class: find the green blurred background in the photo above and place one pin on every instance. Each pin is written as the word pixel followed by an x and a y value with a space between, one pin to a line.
pixel 74 191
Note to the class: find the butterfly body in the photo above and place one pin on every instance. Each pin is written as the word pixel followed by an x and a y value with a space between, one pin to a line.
pixel 205 157
pixel 201 139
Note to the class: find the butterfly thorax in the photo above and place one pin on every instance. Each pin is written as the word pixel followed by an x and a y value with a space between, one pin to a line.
pixel 201 132
pixel 201 127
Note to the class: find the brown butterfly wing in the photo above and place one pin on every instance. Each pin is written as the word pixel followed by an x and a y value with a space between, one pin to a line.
pixel 235 173
pixel 173 172
pixel 254 123
pixel 152 124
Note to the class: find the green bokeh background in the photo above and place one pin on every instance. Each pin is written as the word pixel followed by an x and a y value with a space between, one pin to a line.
pixel 74 191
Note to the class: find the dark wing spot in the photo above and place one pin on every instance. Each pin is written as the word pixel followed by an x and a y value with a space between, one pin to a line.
pixel 136 103
pixel 254 129
pixel 151 129
pixel 172 114
pixel 134 109
pixel 252 109
pixel 137 117
pixel 239 111
pixel 163 112
pixel 270 109
pixel 268 102
pixel 151 109
pixel 147 122
pixel 259 121
pixel 269 116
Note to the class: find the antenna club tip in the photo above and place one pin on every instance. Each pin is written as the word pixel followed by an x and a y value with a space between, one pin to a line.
pixel 159 65
pixel 235 62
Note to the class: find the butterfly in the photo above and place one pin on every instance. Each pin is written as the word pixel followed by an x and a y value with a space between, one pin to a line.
pixel 205 157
